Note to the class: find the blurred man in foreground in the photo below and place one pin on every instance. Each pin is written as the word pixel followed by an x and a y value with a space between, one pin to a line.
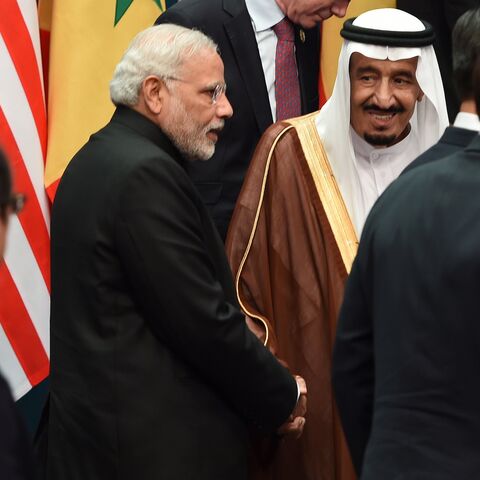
pixel 15 451
pixel 310 186
pixel 407 352
pixel 154 372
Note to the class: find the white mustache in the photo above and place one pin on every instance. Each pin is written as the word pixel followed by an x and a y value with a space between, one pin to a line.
pixel 216 126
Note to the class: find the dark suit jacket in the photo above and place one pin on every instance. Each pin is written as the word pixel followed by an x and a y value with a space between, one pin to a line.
pixel 407 352
pixel 228 23
pixel 154 373
pixel 452 140
pixel 442 15
pixel 16 461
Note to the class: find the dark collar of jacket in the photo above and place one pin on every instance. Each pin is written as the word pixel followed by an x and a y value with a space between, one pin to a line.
pixel 474 145
pixel 458 136
pixel 146 128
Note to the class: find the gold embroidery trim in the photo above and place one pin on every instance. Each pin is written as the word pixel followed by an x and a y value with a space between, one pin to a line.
pixel 327 188
pixel 252 235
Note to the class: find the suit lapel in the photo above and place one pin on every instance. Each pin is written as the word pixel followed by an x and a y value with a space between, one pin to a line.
pixel 244 46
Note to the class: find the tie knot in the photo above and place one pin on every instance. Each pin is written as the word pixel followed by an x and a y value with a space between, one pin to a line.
pixel 284 30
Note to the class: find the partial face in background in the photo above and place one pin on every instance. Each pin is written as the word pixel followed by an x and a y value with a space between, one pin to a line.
pixel 308 13
pixel 196 106
pixel 13 205
pixel 3 235
pixel 383 95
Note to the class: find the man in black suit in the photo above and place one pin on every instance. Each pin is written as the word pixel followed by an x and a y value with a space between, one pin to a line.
pixel 243 30
pixel 15 449
pixel 442 15
pixel 407 351
pixel 154 373
pixel 465 42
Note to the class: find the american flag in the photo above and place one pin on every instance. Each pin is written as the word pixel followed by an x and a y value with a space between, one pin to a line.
pixel 25 274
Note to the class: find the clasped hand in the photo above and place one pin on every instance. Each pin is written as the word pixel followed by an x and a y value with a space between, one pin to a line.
pixel 293 427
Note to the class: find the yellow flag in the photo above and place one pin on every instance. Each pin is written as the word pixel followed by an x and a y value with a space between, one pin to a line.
pixel 86 40
pixel 332 41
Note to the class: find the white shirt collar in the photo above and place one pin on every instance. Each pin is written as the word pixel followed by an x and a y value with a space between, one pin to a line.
pixel 264 14
pixel 470 121
pixel 377 168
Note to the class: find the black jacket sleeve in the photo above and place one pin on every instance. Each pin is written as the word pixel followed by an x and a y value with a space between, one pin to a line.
pixel 160 233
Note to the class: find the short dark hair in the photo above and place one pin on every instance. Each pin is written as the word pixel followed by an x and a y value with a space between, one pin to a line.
pixel 465 50
pixel 476 83
pixel 5 185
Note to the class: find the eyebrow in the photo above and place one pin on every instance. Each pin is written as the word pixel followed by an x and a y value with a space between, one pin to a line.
pixel 213 85
pixel 370 69
pixel 404 73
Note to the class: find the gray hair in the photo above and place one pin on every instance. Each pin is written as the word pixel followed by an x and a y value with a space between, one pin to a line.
pixel 161 51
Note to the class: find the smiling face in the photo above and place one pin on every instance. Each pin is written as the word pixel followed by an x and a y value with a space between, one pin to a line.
pixel 383 95
pixel 191 120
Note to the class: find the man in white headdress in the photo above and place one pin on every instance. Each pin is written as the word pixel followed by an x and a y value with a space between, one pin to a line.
pixel 309 188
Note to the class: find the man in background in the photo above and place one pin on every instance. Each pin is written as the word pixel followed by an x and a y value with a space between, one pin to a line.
pixel 154 373
pixel 407 352
pixel 311 183
pixel 271 53
pixel 15 450
pixel 465 48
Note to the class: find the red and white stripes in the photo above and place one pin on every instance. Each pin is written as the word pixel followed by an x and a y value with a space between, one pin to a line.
pixel 25 274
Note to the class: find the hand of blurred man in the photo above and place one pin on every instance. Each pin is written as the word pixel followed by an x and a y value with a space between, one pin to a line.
pixel 294 426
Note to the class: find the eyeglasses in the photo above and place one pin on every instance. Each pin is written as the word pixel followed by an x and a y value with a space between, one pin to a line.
pixel 218 91
pixel 214 92
pixel 15 203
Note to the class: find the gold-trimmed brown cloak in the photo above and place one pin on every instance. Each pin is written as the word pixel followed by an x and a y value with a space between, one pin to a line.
pixel 290 245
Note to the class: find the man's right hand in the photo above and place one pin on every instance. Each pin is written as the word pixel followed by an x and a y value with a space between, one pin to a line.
pixel 293 427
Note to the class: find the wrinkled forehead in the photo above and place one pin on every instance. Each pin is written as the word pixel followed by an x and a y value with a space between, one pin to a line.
pixel 206 66
pixel 205 56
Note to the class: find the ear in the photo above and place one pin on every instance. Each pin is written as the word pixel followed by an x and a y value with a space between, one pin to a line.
pixel 153 90
pixel 420 95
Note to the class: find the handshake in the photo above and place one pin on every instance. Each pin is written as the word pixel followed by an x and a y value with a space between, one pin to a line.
pixel 293 427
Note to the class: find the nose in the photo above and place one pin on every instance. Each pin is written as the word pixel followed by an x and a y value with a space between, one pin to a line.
pixel 384 94
pixel 223 107
pixel 339 7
